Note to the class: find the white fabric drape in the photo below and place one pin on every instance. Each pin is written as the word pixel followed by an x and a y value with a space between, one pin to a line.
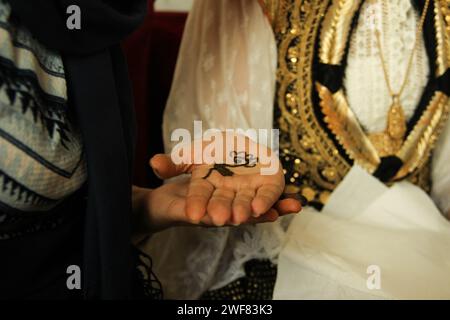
pixel 225 73
pixel 225 77
pixel 369 242
pixel 440 173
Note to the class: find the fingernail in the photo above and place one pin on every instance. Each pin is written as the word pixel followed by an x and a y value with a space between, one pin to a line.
pixel 297 196
pixel 157 173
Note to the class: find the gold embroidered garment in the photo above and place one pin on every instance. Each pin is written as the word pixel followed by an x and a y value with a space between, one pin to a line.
pixel 320 135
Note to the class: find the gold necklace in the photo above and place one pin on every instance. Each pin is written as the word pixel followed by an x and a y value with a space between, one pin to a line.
pixel 391 140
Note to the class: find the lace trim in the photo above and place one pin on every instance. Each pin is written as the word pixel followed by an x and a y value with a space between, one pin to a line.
pixel 151 286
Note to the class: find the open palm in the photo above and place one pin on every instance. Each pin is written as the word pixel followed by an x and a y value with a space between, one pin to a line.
pixel 218 195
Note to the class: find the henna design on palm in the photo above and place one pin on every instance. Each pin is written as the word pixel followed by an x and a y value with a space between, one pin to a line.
pixel 240 159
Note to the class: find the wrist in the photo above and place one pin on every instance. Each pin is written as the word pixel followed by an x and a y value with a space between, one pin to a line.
pixel 141 224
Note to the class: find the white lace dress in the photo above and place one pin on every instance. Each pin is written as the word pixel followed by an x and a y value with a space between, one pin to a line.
pixel 225 77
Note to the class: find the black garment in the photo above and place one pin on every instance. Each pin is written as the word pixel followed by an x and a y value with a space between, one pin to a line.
pixel 257 284
pixel 100 93
pixel 34 264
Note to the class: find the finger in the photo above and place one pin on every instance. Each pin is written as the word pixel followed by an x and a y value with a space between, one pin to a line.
pixel 165 168
pixel 206 221
pixel 296 196
pixel 288 206
pixel 270 216
pixel 265 198
pixel 199 193
pixel 219 206
pixel 242 205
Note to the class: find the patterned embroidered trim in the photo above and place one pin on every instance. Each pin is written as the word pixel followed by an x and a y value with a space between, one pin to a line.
pixel 313 164
pixel 16 224
pixel 335 30
pixel 442 39
pixel 417 148
pixel 21 192
pixel 445 9
pixel 337 111
pixel 23 86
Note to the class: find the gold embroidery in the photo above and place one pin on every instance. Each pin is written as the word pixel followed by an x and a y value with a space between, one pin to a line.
pixel 351 136
pixel 445 9
pixel 313 163
pixel 422 139
pixel 302 137
pixel 342 122
pixel 335 30
pixel 442 38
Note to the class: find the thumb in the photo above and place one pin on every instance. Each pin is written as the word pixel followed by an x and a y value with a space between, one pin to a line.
pixel 165 168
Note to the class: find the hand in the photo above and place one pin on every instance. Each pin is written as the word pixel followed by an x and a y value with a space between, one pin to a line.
pixel 229 194
pixel 158 209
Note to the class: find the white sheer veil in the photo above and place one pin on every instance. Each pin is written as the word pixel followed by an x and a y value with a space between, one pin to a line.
pixel 225 77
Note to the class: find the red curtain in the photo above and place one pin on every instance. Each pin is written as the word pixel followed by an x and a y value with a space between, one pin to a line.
pixel 151 53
